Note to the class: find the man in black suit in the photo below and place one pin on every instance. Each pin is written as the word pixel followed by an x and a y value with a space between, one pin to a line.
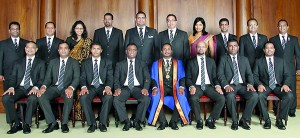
pixel 26 78
pixel 96 80
pixel 11 49
pixel 131 78
pixel 235 76
pixel 62 78
pixel 222 38
pixel 111 40
pixel 177 38
pixel 251 44
pixel 271 75
pixel 145 38
pixel 201 79
pixel 48 45
pixel 287 47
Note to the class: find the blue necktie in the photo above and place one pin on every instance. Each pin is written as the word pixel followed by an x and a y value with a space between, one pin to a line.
pixel 61 76
pixel 27 75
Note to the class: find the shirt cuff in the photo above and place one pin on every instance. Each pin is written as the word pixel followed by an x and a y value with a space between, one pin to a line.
pixel 35 87
pixel 44 86
pixel 107 87
pixel 225 86
pixel 83 87
pixel 72 88
pixel 191 87
pixel 181 87
pixel 154 88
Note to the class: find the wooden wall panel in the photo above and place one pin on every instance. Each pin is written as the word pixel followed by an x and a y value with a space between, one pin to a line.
pixel 23 11
pixel 186 11
pixel 91 13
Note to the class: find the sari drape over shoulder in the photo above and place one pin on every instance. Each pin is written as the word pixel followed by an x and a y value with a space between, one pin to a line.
pixel 177 101
pixel 194 40
pixel 81 50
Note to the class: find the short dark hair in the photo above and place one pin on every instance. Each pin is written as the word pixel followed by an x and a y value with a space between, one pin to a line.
pixel 140 12
pixel 171 15
pixel 131 44
pixel 63 42
pixel 199 19
pixel 223 20
pixel 283 20
pixel 232 40
pixel 32 43
pixel 163 45
pixel 109 14
pixel 95 43
pixel 252 19
pixel 14 23
pixel 73 33
pixel 269 42
pixel 50 22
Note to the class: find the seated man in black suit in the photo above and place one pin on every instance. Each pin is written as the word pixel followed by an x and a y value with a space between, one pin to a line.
pixel 201 79
pixel 271 75
pixel 235 76
pixel 168 80
pixel 131 78
pixel 24 82
pixel 62 78
pixel 96 80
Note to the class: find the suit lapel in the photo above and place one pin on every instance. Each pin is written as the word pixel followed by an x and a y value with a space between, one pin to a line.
pixel 240 66
pixel 56 69
pixel 195 61
pixel 23 67
pixel 276 68
pixel 90 69
pixel 250 41
pixel 101 67
pixel 277 40
pixel 136 67
pixel 265 66
pixel 229 60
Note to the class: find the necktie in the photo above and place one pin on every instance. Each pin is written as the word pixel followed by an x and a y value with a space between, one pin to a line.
pixel 283 42
pixel 236 73
pixel 168 63
pixel 141 34
pixel 27 75
pixel 96 75
pixel 272 84
pixel 49 45
pixel 225 40
pixel 130 76
pixel 171 36
pixel 202 75
pixel 254 41
pixel 107 35
pixel 16 44
pixel 61 76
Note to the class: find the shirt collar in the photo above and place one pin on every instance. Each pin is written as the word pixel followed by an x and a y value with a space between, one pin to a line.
pixel 98 59
pixel 13 39
pixel 285 35
pixel 32 58
pixel 253 35
pixel 110 29
pixel 66 59
pixel 51 37
pixel 174 30
pixel 128 60
pixel 165 60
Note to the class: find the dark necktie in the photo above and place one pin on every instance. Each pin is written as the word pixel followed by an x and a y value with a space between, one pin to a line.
pixel 254 41
pixel 168 63
pixel 141 34
pixel 130 76
pixel 27 75
pixel 49 45
pixel 16 44
pixel 107 35
pixel 225 40
pixel 271 72
pixel 171 36
pixel 61 76
pixel 202 75
pixel 236 73
pixel 96 75
pixel 283 42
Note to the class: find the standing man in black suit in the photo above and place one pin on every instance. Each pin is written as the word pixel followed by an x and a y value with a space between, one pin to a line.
pixel 111 40
pixel 145 38
pixel 222 38
pixel 235 77
pixel 131 78
pixel 62 78
pixel 11 49
pixel 99 83
pixel 177 38
pixel 26 78
pixel 201 79
pixel 48 45
pixel 287 47
pixel 251 44
pixel 271 75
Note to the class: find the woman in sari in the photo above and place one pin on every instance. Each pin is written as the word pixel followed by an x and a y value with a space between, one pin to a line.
pixel 199 34
pixel 78 42
pixel 79 45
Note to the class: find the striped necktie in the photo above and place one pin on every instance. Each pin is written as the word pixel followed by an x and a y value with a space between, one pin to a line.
pixel 107 35
pixel 61 76
pixel 254 41
pixel 49 45
pixel 271 72
pixel 283 42
pixel 27 75
pixel 141 34
pixel 96 75
pixel 202 75
pixel 225 40
pixel 171 36
pixel 16 43
pixel 236 73
pixel 130 76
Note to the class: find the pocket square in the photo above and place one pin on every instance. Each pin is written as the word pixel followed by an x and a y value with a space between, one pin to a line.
pixel 150 36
